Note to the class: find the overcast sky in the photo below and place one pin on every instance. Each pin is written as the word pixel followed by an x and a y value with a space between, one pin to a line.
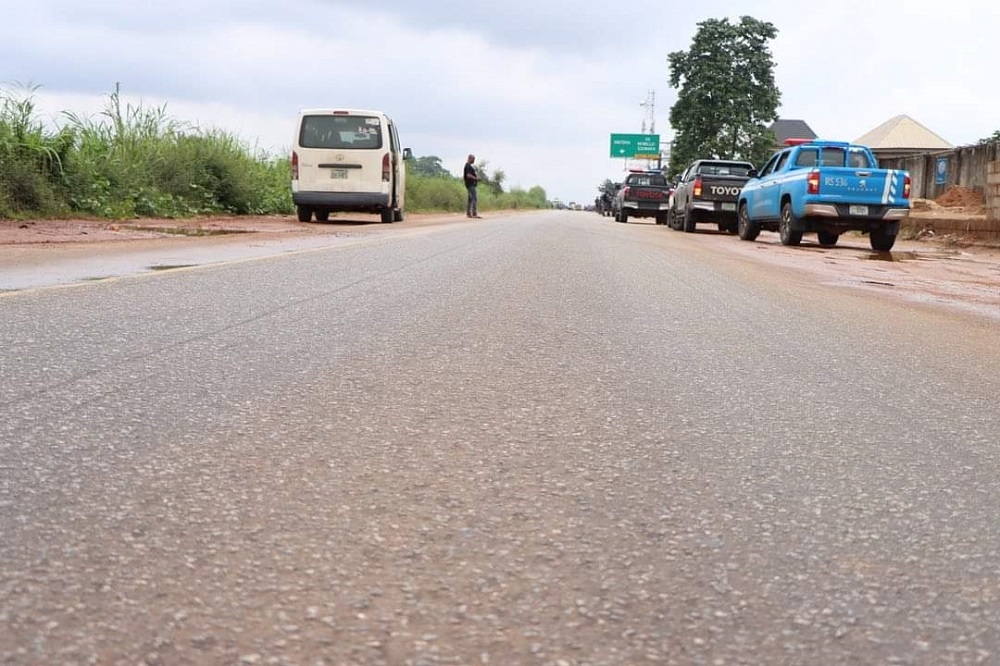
pixel 534 87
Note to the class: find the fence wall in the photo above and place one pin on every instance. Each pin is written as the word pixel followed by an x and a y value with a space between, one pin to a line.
pixel 974 167
pixel 966 167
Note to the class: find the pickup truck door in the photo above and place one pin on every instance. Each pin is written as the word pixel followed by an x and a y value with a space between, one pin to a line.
pixel 683 187
pixel 773 186
pixel 757 188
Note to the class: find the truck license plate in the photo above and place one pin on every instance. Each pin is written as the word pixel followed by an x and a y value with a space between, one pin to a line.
pixel 729 206
pixel 858 210
pixel 338 173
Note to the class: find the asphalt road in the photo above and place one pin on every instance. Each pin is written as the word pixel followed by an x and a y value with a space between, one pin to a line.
pixel 545 439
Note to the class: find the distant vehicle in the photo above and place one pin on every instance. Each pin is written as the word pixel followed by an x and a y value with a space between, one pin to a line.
pixel 614 202
pixel 348 160
pixel 707 192
pixel 828 187
pixel 602 204
pixel 643 194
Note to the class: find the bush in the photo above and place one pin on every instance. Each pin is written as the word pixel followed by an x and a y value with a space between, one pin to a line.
pixel 134 161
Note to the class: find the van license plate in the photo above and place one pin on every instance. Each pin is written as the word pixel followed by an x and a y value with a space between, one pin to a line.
pixel 858 210
pixel 729 206
pixel 338 173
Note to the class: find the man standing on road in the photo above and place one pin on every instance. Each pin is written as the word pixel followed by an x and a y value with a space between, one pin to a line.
pixel 471 180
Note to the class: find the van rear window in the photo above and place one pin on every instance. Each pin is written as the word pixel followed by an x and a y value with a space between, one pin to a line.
pixel 341 132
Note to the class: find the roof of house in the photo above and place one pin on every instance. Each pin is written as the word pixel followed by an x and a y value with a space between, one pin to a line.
pixel 903 132
pixel 791 129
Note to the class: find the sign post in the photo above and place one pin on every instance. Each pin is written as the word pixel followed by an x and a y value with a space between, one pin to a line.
pixel 638 146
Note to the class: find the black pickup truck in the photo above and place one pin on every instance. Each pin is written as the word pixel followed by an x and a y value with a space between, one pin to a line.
pixel 707 191
pixel 643 194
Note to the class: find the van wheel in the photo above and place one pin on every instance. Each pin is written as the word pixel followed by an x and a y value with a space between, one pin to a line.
pixel 387 215
pixel 305 213
pixel 322 215
pixel 398 215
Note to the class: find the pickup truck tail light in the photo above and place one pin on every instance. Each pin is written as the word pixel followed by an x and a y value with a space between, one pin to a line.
pixel 385 168
pixel 696 190
pixel 906 186
pixel 295 165
pixel 812 182
pixel 627 192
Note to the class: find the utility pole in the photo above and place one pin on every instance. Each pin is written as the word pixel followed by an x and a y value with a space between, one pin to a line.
pixel 649 120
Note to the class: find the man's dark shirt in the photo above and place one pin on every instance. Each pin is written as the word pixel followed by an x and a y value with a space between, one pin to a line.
pixel 470 175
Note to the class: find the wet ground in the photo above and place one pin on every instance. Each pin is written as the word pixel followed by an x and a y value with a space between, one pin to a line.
pixel 962 277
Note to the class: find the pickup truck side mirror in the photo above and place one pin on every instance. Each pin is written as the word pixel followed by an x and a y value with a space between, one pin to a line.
pixel 752 173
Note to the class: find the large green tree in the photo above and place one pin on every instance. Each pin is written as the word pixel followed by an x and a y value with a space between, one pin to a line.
pixel 429 165
pixel 727 97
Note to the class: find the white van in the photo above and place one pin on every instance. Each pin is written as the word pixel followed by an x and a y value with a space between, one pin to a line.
pixel 347 160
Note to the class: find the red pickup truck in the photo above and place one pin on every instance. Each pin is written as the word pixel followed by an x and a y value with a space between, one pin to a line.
pixel 643 194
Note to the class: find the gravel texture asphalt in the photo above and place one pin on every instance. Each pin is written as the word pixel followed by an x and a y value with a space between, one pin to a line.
pixel 544 439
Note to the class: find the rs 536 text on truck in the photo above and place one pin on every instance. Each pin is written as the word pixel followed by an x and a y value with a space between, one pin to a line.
pixel 828 187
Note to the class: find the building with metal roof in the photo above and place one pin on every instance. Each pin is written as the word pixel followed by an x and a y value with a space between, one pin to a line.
pixel 901 136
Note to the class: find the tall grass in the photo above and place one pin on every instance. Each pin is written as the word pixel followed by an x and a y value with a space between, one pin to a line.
pixel 130 161
pixel 433 194
pixel 133 160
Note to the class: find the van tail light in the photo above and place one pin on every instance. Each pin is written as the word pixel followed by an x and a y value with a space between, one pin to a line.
pixel 386 170
pixel 295 165
pixel 906 186
pixel 696 191
pixel 812 182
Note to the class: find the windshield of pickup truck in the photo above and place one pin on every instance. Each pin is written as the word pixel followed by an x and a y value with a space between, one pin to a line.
pixel 723 169
pixel 650 180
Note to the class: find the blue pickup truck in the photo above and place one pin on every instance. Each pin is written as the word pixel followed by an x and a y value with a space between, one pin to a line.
pixel 828 187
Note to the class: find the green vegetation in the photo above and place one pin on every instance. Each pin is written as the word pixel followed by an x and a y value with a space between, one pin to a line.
pixel 993 138
pixel 134 161
pixel 430 188
pixel 727 97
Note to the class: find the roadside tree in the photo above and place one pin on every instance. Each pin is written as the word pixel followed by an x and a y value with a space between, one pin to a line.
pixel 726 97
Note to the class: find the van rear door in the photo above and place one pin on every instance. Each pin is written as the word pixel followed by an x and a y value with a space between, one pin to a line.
pixel 341 151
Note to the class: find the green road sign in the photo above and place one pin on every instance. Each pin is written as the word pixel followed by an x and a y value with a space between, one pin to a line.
pixel 642 146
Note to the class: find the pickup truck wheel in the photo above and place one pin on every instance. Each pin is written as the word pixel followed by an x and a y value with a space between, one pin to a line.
pixel 304 213
pixel 746 229
pixel 827 238
pixel 689 223
pixel 662 218
pixel 881 240
pixel 322 215
pixel 785 232
pixel 623 216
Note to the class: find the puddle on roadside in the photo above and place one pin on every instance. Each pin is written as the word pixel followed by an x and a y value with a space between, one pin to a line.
pixel 170 267
pixel 890 256
pixel 191 231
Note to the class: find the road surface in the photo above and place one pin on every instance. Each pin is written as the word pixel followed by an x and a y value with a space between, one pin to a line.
pixel 544 439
